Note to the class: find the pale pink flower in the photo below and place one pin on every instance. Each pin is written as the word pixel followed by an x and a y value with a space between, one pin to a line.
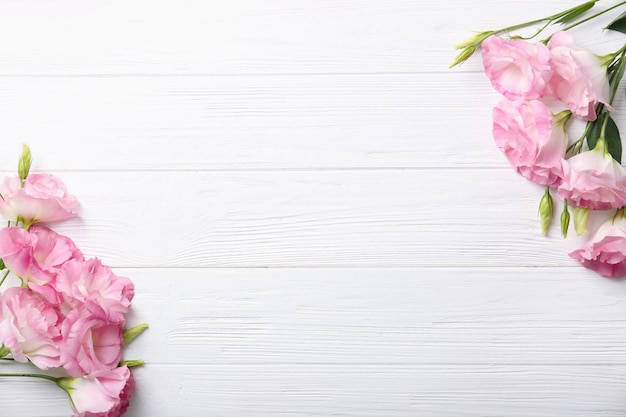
pixel 593 180
pixel 100 394
pixel 29 327
pixel 605 252
pixel 531 138
pixel 91 285
pixel 516 68
pixel 89 344
pixel 579 78
pixel 43 198
pixel 36 255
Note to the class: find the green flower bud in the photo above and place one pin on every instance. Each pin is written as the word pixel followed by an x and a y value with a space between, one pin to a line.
pixel 4 351
pixel 133 332
pixel 580 220
pixel 23 167
pixel 565 220
pixel 546 208
pixel 132 363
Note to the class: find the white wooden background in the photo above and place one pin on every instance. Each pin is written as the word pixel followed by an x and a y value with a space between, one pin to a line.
pixel 311 206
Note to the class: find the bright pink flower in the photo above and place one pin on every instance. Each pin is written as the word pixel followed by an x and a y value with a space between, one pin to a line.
pixel 29 327
pixel 531 139
pixel 89 344
pixel 36 255
pixel 91 285
pixel 43 198
pixel 605 252
pixel 579 78
pixel 100 394
pixel 516 68
pixel 593 180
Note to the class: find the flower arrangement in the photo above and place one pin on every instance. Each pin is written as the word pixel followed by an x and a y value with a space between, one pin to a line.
pixel 67 315
pixel 548 86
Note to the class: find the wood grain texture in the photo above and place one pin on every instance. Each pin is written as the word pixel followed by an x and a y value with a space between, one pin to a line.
pixel 74 37
pixel 319 218
pixel 311 207
pixel 370 342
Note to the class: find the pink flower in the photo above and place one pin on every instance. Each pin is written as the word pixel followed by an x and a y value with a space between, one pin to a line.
pixel 605 252
pixel 531 139
pixel 43 198
pixel 36 255
pixel 517 69
pixel 579 79
pixel 593 180
pixel 89 344
pixel 29 327
pixel 94 286
pixel 100 394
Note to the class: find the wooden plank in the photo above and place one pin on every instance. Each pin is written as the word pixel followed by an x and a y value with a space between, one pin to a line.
pixel 248 122
pixel 243 123
pixel 353 390
pixel 369 342
pixel 385 316
pixel 301 218
pixel 75 37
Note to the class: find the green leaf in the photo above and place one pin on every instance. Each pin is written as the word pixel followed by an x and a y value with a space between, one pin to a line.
pixel 611 135
pixel 618 24
pixel 575 12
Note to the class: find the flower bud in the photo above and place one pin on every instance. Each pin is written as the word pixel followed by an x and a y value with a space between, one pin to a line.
pixel 133 332
pixel 4 351
pixel 132 363
pixel 546 208
pixel 23 167
pixel 581 214
pixel 565 220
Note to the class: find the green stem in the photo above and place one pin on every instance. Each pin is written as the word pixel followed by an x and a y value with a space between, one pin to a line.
pixel 573 25
pixel 41 376
pixel 7 359
pixel 4 277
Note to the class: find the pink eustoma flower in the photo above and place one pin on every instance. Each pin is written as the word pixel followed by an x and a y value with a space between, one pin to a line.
pixel 516 68
pixel 593 180
pixel 605 252
pixel 100 394
pixel 94 286
pixel 579 80
pixel 43 198
pixel 36 255
pixel 532 139
pixel 89 344
pixel 29 327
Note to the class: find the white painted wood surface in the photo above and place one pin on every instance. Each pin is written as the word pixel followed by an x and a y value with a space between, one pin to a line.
pixel 311 207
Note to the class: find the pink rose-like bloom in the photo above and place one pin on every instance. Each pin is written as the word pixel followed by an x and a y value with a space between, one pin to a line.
pixel 605 252
pixel 43 198
pixel 102 393
pixel 36 255
pixel 530 138
pixel 89 344
pixel 91 285
pixel 579 78
pixel 593 180
pixel 517 69
pixel 29 327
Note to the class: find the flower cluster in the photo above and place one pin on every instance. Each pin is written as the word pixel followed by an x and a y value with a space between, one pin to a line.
pixel 69 312
pixel 545 87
